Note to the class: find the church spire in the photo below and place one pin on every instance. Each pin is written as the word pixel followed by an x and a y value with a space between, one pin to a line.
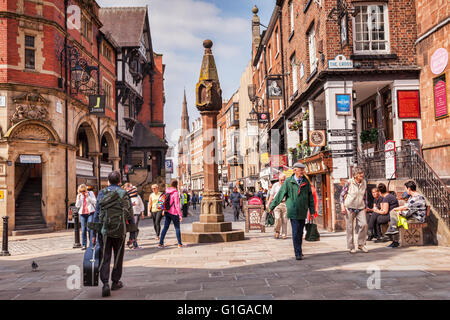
pixel 184 115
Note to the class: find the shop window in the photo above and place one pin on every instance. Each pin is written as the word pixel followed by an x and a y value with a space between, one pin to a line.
pixel 294 69
pixel 312 50
pixel 29 52
pixel 371 29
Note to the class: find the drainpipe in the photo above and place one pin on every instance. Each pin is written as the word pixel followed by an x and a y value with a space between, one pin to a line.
pixel 283 73
pixel 65 113
pixel 99 40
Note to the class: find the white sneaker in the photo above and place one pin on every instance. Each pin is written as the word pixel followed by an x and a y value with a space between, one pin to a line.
pixel 352 250
pixel 363 249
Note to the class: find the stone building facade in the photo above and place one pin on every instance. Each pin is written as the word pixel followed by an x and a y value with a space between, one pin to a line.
pixel 433 47
pixel 52 61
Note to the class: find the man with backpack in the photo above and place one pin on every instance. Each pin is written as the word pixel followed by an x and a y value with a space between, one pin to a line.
pixel 112 211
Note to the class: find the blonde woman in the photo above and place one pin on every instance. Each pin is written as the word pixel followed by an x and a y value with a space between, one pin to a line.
pixel 86 203
pixel 153 209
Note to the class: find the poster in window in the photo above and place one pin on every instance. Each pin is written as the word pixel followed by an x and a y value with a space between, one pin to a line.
pixel 409 130
pixel 408 104
pixel 440 97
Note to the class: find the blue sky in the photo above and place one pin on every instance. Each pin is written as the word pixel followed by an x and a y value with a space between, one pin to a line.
pixel 178 29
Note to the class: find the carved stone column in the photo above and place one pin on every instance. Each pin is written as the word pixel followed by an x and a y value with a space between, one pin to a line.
pixel 211 227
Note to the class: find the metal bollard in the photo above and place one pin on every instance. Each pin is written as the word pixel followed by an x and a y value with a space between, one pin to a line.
pixel 5 251
pixel 76 220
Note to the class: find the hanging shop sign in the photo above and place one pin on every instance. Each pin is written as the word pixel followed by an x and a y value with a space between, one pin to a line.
pixel 340 62
pixel 343 104
pixel 252 129
pixel 265 158
pixel 263 117
pixel 344 30
pixel 408 103
pixel 30 158
pixel 389 156
pixel 169 166
pixel 440 97
pixel 409 130
pixel 439 61
pixel 97 104
pixel 317 138
pixel 275 88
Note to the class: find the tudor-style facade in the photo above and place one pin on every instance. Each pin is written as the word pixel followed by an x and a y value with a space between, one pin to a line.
pixel 140 97
pixel 49 141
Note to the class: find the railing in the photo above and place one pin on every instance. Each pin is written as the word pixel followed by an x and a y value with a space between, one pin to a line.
pixel 374 164
pixel 431 186
pixel 410 165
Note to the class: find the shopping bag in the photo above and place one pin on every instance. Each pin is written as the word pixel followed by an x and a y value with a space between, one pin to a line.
pixel 312 233
pixel 270 219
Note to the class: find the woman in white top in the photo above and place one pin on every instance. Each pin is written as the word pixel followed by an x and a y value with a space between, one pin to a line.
pixel 138 212
pixel 86 203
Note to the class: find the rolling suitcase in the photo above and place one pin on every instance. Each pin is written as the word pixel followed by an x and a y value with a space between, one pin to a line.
pixel 90 266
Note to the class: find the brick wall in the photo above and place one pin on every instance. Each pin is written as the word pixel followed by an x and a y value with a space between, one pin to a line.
pixel 435 133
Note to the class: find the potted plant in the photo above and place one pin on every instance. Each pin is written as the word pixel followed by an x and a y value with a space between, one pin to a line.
pixel 369 138
pixel 306 116
pixel 295 126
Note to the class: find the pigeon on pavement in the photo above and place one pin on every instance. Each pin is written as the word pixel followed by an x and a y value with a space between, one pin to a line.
pixel 34 266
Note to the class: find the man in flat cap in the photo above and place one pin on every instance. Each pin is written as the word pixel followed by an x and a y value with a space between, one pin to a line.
pixel 299 198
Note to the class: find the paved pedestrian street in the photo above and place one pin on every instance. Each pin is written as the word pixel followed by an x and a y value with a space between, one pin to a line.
pixel 260 267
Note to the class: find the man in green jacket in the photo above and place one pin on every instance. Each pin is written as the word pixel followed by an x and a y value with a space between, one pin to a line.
pixel 299 198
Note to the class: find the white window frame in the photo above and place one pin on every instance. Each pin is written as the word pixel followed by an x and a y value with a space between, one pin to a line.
pixel 270 57
pixel 277 36
pixel 386 30
pixel 291 15
pixel 312 49
pixel 294 67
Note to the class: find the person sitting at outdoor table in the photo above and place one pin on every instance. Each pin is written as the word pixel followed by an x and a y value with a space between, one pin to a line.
pixel 377 199
pixel 414 210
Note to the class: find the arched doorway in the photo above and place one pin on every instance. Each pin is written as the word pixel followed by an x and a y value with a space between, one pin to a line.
pixel 86 142
pixel 108 150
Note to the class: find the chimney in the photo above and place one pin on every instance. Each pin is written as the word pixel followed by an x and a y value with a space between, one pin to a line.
pixel 256 31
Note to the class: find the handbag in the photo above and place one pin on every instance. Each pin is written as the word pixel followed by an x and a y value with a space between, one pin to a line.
pixel 270 219
pixel 312 233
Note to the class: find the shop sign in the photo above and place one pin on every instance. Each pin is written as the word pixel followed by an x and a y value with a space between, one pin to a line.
pixel 341 132
pixel 389 156
pixel 440 97
pixel 265 158
pixel 97 104
pixel 409 130
pixel 343 104
pixel 2 101
pixel 252 129
pixel 275 88
pixel 408 104
pixel 315 167
pixel 351 141
pixel 2 195
pixel 344 30
pixel 439 61
pixel 58 106
pixel 340 62
pixel 278 160
pixel 29 159
pixel 169 166
pixel 317 138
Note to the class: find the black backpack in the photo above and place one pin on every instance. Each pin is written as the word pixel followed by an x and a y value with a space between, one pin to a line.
pixel 167 204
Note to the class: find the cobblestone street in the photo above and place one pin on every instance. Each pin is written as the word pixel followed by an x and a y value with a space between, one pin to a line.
pixel 260 267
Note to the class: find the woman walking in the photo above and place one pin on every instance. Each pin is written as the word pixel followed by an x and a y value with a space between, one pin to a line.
pixel 172 214
pixel 138 212
pixel 86 203
pixel 153 209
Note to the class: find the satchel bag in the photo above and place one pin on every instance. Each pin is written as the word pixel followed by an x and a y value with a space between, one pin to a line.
pixel 312 233
pixel 270 219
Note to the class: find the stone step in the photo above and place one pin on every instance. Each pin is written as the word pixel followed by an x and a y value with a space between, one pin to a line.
pixel 212 237
pixel 31 226
pixel 31 231
pixel 29 221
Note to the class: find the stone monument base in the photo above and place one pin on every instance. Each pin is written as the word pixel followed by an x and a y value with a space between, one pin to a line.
pixel 212 237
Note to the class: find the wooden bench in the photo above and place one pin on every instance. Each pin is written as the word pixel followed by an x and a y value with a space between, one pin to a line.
pixel 414 235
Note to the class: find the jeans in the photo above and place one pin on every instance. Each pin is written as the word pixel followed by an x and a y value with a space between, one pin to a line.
pixel 185 210
pixel 176 223
pixel 194 205
pixel 297 235
pixel 382 219
pixel 372 224
pixel 84 219
pixel 157 217
pixel 236 209
pixel 134 235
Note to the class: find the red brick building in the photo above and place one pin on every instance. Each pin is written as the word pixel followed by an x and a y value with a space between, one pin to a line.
pixel 348 68
pixel 53 58
pixel 433 47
